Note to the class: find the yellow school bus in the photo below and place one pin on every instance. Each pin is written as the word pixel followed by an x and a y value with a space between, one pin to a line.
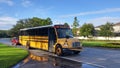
pixel 52 38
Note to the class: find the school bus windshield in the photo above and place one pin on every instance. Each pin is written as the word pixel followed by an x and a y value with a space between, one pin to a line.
pixel 64 32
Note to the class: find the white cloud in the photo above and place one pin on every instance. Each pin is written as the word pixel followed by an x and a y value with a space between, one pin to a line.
pixel 9 2
pixel 103 20
pixel 92 12
pixel 5 27
pixel 26 3
pixel 7 22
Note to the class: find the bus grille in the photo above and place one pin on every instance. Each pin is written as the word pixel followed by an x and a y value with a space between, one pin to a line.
pixel 76 44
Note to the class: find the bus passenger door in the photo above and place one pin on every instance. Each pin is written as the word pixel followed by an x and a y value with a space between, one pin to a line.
pixel 52 38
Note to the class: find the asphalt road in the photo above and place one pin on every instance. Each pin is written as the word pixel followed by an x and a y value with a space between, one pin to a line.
pixel 101 57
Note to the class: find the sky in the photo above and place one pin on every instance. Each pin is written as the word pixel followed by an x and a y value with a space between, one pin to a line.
pixel 97 12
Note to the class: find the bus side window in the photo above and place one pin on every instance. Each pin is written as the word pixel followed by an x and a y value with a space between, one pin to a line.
pixel 43 32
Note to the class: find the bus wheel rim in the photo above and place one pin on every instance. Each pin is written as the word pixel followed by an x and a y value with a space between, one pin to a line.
pixel 58 51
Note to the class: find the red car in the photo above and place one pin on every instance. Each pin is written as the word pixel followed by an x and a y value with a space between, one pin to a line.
pixel 15 41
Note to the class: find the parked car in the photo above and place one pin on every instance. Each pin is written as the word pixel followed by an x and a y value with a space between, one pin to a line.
pixel 15 41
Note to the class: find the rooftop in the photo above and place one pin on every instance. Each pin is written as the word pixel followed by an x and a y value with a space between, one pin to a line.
pixel 117 24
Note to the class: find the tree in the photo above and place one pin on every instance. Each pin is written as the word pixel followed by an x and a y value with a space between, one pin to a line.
pixel 4 33
pixel 75 25
pixel 27 23
pixel 49 21
pixel 87 30
pixel 106 30
pixel 66 24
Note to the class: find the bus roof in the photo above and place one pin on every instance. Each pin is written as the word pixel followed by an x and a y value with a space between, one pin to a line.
pixel 37 27
pixel 56 26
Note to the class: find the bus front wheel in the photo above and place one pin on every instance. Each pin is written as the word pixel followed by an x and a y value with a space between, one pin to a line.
pixel 59 51
pixel 76 52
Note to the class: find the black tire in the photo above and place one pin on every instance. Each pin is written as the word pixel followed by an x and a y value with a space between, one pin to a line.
pixel 59 51
pixel 76 52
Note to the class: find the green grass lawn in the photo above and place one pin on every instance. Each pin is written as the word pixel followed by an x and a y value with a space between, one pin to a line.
pixel 108 44
pixel 9 56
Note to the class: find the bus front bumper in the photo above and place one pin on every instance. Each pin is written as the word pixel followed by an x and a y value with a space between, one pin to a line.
pixel 73 49
pixel 76 49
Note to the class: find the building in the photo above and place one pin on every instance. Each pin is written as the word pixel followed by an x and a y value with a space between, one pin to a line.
pixel 116 28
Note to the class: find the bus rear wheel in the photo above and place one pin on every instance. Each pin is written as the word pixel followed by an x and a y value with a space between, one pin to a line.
pixel 59 51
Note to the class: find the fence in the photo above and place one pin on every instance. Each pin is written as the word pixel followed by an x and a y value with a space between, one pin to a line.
pixel 99 38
